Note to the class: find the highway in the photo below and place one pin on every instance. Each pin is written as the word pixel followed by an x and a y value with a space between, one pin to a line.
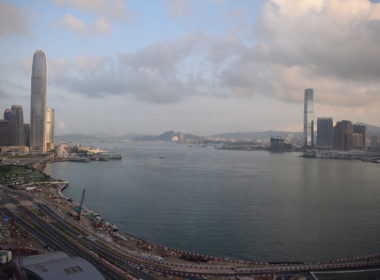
pixel 58 241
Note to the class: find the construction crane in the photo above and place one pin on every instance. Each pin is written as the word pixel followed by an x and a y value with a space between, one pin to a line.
pixel 81 203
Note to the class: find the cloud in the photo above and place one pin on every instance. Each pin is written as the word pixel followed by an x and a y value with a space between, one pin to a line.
pixel 13 19
pixel 328 45
pixel 100 26
pixel 178 8
pixel 109 9
pixel 106 11
pixel 151 74
pixel 333 37
pixel 74 24
pixel 331 46
pixel 3 94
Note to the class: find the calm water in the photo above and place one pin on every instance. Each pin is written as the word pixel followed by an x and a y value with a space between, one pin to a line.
pixel 249 205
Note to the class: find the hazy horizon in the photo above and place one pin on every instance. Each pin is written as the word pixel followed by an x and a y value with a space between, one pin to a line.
pixel 199 66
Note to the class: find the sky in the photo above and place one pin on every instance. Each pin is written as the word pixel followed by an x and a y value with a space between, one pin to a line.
pixel 198 66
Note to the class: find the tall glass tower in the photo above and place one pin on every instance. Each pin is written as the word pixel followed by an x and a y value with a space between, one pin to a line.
pixel 308 118
pixel 38 103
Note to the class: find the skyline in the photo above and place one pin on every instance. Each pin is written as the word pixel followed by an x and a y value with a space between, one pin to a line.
pixel 131 70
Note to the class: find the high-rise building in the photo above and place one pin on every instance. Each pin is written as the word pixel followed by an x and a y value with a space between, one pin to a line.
pixel 16 126
pixel 325 133
pixel 7 114
pixel 26 134
pixel 357 141
pixel 49 128
pixel 343 135
pixel 308 118
pixel 4 133
pixel 375 141
pixel 361 129
pixel 38 103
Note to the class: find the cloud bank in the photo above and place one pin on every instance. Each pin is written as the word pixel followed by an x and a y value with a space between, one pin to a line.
pixel 331 46
pixel 13 20
pixel 106 11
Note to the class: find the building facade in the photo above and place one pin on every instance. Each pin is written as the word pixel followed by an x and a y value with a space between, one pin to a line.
pixel 38 103
pixel 16 126
pixel 4 133
pixel 375 141
pixel 26 134
pixel 357 141
pixel 361 129
pixel 325 133
pixel 343 131
pixel 308 123
pixel 7 114
pixel 50 128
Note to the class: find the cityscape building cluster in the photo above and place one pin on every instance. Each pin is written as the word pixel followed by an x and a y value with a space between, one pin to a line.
pixel 344 135
pixel 38 136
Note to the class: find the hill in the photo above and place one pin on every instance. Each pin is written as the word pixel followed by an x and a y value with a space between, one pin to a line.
pixel 170 136
pixel 256 135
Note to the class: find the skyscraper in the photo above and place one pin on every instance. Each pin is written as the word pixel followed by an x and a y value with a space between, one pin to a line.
pixel 361 129
pixel 26 134
pixel 308 118
pixel 49 128
pixel 38 103
pixel 16 126
pixel 343 135
pixel 325 133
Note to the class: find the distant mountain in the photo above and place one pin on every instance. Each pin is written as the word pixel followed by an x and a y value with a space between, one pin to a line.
pixel 78 138
pixel 170 136
pixel 256 135
pixel 126 137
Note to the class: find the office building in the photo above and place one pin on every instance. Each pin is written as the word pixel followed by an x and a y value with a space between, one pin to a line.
pixel 16 126
pixel 38 103
pixel 343 131
pixel 7 114
pixel 357 141
pixel 26 134
pixel 4 133
pixel 325 133
pixel 361 129
pixel 49 128
pixel 308 123
pixel 375 141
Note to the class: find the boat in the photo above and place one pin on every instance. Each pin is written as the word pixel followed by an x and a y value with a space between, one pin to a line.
pixel 162 156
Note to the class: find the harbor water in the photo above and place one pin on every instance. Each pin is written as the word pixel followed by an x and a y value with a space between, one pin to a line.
pixel 248 205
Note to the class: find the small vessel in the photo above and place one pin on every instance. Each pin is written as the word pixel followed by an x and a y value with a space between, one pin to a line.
pixel 162 156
